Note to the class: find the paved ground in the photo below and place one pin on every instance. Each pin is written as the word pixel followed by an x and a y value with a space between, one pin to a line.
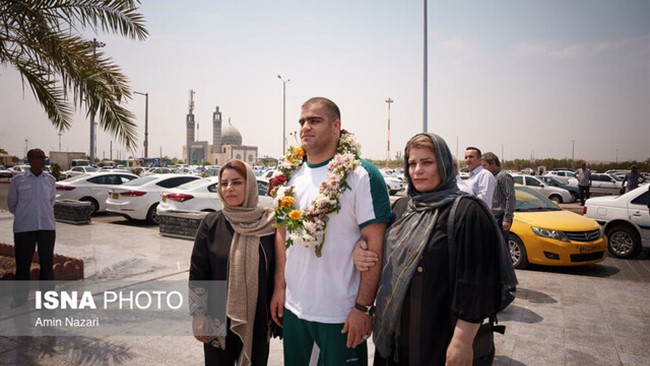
pixel 591 315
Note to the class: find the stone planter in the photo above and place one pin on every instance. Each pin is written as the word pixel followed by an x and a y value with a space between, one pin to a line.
pixel 65 268
pixel 73 212
pixel 180 224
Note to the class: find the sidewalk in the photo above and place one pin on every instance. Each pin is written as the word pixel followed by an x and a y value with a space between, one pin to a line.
pixel 557 319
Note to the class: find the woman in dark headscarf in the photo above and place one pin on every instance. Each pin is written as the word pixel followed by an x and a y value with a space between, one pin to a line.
pixel 430 305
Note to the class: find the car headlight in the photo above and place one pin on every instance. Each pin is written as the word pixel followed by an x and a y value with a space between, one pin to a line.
pixel 548 233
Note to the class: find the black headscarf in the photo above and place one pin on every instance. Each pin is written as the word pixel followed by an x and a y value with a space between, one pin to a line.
pixel 448 189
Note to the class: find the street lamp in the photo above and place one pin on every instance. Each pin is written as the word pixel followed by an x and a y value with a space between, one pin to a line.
pixel 388 101
pixel 284 114
pixel 146 122
pixel 95 45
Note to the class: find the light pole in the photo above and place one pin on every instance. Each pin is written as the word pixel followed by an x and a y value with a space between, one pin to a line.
pixel 284 114
pixel 146 122
pixel 95 45
pixel 573 157
pixel 388 101
pixel 59 141
pixel 425 123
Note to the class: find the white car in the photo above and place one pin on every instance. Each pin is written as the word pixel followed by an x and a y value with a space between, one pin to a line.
pixel 5 173
pixel 17 169
pixel 201 195
pixel 393 184
pixel 78 170
pixel 564 176
pixel 557 194
pixel 626 220
pixel 91 188
pixel 138 199
pixel 605 184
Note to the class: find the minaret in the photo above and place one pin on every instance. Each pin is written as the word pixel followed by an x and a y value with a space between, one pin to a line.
pixel 216 131
pixel 190 128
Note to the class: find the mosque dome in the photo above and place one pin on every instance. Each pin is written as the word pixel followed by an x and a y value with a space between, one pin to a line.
pixel 230 135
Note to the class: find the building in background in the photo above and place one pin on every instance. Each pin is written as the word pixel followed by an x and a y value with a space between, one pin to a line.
pixel 227 142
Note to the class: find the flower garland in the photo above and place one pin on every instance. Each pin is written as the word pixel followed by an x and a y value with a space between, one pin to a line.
pixel 308 225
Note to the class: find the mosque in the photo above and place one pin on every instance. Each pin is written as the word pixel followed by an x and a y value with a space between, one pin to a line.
pixel 226 141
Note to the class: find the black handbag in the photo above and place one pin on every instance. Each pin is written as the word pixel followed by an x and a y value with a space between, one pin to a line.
pixel 483 345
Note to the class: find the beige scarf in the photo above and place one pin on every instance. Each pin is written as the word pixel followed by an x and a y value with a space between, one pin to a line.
pixel 250 223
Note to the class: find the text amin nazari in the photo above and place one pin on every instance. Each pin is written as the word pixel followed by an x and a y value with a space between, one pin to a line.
pixel 66 322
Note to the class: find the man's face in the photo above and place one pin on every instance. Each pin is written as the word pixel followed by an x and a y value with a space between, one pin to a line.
pixel 36 161
pixel 487 166
pixel 317 131
pixel 472 159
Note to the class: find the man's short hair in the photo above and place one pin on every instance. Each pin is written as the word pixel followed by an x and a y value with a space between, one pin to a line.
pixel 332 108
pixel 35 153
pixel 491 158
pixel 474 148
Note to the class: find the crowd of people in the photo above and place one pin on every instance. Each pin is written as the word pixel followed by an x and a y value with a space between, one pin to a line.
pixel 333 262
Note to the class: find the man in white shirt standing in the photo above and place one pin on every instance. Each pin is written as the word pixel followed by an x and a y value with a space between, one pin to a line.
pixel 31 200
pixel 481 182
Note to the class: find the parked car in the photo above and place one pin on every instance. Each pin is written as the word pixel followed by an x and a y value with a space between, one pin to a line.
pixel 625 219
pixel 618 173
pixel 564 176
pixel 78 170
pixel 138 199
pixel 543 233
pixel 553 181
pixel 393 184
pixel 17 169
pixel 159 170
pixel 5 173
pixel 557 194
pixel 602 183
pixel 201 195
pixel 91 188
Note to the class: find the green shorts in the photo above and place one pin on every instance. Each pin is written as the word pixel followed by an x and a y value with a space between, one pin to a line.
pixel 300 335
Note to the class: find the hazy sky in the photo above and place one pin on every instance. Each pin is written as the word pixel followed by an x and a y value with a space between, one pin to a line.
pixel 524 76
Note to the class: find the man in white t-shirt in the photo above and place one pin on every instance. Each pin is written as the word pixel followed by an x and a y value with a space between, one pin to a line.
pixel 481 182
pixel 325 300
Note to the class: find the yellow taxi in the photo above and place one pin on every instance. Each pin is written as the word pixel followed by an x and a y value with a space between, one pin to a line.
pixel 543 233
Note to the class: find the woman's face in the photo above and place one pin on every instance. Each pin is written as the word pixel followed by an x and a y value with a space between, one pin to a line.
pixel 232 187
pixel 423 169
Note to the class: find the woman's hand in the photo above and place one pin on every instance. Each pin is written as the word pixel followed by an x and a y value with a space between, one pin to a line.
pixel 363 258
pixel 460 351
pixel 200 328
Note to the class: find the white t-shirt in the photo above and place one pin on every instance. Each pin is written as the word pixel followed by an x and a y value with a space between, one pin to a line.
pixel 324 289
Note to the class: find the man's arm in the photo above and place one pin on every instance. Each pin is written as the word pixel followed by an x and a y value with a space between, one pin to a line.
pixel 12 196
pixel 359 323
pixel 277 300
pixel 509 191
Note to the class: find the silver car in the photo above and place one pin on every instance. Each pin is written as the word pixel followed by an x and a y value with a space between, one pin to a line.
pixel 559 195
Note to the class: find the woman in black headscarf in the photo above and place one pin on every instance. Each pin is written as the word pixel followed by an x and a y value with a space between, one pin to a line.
pixel 430 304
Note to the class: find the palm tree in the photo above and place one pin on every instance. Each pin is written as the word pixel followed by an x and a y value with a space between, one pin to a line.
pixel 41 39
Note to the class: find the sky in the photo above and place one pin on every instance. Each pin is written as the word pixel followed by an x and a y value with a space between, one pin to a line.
pixel 521 78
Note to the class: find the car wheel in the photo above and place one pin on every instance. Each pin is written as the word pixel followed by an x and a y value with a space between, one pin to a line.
pixel 555 197
pixel 574 196
pixel 517 252
pixel 93 202
pixel 152 215
pixel 623 242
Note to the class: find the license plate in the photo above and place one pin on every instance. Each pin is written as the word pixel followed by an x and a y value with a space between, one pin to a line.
pixel 116 196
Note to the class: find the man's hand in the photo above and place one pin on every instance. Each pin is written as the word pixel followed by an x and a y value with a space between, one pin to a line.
pixel 356 326
pixel 277 305
pixel 363 258
pixel 506 225
pixel 459 353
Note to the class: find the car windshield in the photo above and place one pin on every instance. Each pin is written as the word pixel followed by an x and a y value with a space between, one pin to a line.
pixel 90 169
pixel 77 177
pixel 140 181
pixel 529 200
pixel 552 181
pixel 616 178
